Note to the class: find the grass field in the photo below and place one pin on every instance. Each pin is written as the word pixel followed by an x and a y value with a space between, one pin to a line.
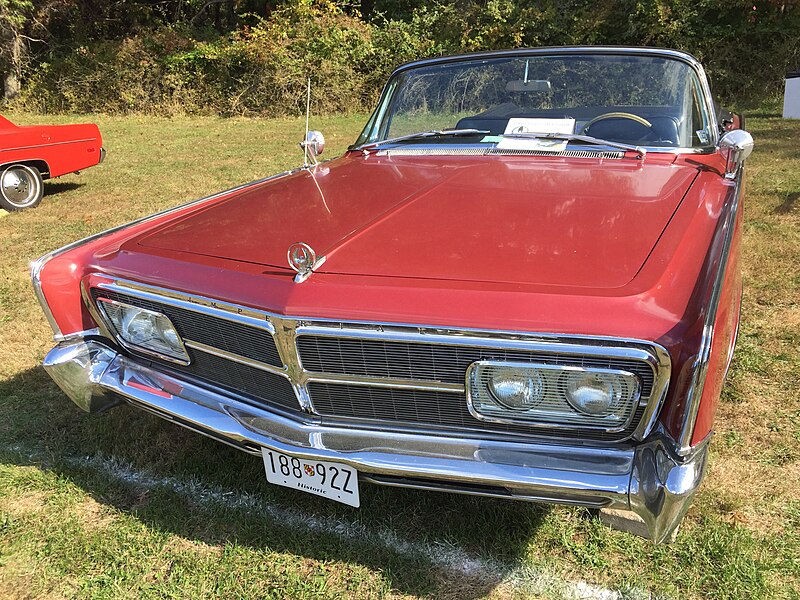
pixel 125 505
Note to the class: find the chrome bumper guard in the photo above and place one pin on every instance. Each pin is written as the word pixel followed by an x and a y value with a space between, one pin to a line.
pixel 649 479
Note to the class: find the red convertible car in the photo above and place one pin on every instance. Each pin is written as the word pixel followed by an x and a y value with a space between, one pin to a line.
pixel 521 281
pixel 31 154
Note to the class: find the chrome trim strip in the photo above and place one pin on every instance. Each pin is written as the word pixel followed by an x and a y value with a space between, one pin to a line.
pixel 36 279
pixel 201 304
pixel 597 154
pixel 204 431
pixel 285 331
pixel 455 488
pixel 384 382
pixel 700 366
pixel 236 358
pixel 38 265
pixel 45 145
pixel 442 150
pixel 505 340
pixel 79 335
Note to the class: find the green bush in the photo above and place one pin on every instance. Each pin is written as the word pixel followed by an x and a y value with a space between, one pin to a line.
pixel 261 67
pixel 746 46
pixel 123 76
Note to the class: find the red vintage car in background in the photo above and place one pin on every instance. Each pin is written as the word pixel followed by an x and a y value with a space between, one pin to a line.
pixel 522 280
pixel 30 154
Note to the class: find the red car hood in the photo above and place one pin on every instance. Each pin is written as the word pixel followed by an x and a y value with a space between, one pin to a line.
pixel 551 221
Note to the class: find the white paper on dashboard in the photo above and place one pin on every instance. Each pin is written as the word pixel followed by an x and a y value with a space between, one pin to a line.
pixel 543 145
pixel 520 125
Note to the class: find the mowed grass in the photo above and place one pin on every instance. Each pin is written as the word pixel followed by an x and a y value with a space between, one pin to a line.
pixel 127 505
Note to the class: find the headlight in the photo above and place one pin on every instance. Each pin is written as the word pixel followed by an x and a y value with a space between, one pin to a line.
pixel 144 329
pixel 547 394
pixel 515 390
pixel 594 393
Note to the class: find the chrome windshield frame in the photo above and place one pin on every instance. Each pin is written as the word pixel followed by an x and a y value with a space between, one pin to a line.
pixel 390 88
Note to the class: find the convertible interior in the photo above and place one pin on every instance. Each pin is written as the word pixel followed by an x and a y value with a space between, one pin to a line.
pixel 643 125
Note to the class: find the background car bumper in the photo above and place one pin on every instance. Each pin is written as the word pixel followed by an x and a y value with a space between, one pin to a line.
pixel 649 480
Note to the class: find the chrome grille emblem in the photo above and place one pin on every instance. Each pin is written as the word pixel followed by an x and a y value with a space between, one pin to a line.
pixel 303 260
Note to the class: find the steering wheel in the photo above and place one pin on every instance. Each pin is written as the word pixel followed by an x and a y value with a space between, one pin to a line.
pixel 618 115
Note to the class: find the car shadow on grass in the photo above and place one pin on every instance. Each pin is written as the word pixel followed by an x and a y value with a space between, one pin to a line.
pixel 176 481
pixel 53 188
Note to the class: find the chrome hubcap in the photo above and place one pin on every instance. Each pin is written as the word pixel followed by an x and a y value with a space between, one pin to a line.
pixel 18 186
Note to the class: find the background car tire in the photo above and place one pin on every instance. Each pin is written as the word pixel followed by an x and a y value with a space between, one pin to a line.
pixel 21 187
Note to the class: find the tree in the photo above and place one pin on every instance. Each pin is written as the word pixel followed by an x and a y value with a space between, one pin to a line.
pixel 23 22
pixel 14 16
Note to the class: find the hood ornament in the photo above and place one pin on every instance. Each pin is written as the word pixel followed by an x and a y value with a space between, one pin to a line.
pixel 303 260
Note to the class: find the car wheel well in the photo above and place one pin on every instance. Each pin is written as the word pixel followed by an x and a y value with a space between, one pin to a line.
pixel 39 165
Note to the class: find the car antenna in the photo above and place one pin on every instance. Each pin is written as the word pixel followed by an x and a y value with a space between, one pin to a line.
pixel 304 144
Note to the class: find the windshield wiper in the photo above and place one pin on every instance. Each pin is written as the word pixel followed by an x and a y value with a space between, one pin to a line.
pixel 575 137
pixel 433 133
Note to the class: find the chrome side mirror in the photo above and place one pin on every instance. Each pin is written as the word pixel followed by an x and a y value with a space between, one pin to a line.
pixel 735 146
pixel 314 144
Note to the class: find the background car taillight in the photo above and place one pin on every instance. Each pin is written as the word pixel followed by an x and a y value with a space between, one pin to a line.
pixel 552 394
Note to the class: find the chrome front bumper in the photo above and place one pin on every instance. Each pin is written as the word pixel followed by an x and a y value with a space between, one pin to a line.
pixel 649 480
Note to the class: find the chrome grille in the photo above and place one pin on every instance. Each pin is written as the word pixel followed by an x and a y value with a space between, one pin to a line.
pixel 432 409
pixel 257 385
pixel 432 362
pixel 236 338
pixel 379 375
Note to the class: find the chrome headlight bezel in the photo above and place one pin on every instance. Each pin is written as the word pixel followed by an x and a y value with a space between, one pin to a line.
pixel 557 411
pixel 174 352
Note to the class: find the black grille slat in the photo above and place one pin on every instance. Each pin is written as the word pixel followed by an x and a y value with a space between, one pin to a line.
pixel 236 338
pixel 381 403
pixel 440 409
pixel 430 362
pixel 258 385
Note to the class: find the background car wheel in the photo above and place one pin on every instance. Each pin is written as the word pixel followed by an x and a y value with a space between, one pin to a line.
pixel 20 187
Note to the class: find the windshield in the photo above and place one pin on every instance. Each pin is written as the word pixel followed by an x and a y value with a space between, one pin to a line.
pixel 652 101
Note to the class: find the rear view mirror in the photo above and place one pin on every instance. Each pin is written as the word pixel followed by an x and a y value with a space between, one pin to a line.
pixel 735 147
pixel 531 85
pixel 313 145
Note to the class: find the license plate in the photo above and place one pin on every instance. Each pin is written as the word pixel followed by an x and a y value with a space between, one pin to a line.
pixel 331 480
